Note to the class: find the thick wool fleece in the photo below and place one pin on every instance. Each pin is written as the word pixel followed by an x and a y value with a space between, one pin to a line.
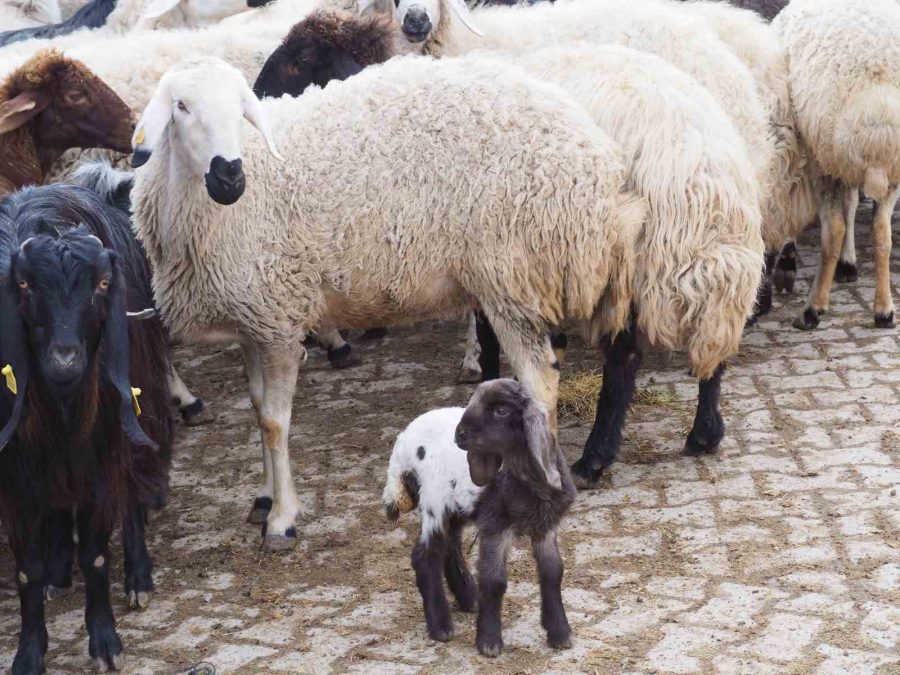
pixel 16 14
pixel 700 252
pixel 409 191
pixel 845 78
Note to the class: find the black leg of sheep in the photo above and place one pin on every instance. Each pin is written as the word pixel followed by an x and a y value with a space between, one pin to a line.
pixel 28 547
pixel 709 428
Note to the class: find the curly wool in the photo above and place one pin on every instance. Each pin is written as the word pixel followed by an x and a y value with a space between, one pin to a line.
pixel 845 78
pixel 408 191
pixel 18 14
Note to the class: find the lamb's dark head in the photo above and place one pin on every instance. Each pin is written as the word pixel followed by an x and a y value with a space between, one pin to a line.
pixel 504 425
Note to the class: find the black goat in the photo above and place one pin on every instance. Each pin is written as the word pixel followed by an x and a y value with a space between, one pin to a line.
pixel 92 15
pixel 71 440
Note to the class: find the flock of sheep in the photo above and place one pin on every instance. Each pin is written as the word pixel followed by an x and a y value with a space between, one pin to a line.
pixel 632 168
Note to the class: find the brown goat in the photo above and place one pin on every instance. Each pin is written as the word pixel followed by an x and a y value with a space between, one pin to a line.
pixel 51 104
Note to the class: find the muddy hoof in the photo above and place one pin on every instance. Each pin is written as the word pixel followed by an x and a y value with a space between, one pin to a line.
pixel 343 357
pixel 809 320
pixel 139 599
pixel 442 634
pixel 260 510
pixel 468 376
pixel 280 542
pixel 102 665
pixel 845 273
pixel 563 641
pixel 491 648
pixel 884 320
pixel 697 446
pixel 783 281
pixel 585 476
pixel 52 592
pixel 373 334
pixel 195 414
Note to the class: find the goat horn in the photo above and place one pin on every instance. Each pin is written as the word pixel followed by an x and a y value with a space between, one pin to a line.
pixel 143 315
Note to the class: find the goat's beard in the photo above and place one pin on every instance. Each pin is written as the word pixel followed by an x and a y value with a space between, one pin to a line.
pixel 483 466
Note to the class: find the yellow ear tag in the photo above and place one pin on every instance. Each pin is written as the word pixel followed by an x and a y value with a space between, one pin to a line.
pixel 139 136
pixel 135 392
pixel 10 378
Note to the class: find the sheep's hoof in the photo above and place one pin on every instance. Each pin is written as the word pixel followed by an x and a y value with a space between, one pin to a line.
pixel 563 641
pixel 279 542
pixel 195 413
pixel 884 320
pixel 809 320
pixel 373 333
pixel 343 357
pixel 697 446
pixel 442 634
pixel 846 272
pixel 783 281
pixel 585 476
pixel 117 662
pixel 139 599
pixel 492 648
pixel 468 375
pixel 52 592
pixel 260 510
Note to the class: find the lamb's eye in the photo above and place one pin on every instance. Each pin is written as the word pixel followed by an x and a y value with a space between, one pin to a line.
pixel 23 284
pixel 103 285
pixel 182 107
pixel 501 411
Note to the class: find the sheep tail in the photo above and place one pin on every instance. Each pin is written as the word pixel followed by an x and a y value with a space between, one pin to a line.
pixel 397 496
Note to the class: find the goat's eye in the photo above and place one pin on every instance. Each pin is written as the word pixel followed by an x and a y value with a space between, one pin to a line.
pixel 75 97
pixel 501 411
pixel 23 284
pixel 182 107
pixel 103 285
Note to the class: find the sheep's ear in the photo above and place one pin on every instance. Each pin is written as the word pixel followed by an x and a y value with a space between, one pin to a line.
pixel 17 111
pixel 462 11
pixel 152 124
pixel 541 441
pixel 256 115
pixel 156 8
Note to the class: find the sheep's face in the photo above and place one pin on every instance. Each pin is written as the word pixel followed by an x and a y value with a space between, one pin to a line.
pixel 200 107
pixel 199 12
pixel 419 18
pixel 63 286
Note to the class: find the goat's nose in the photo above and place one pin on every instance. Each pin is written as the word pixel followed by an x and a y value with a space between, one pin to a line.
pixel 64 356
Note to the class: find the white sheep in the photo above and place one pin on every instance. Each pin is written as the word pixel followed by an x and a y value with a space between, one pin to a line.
pixel 845 80
pixel 28 13
pixel 412 190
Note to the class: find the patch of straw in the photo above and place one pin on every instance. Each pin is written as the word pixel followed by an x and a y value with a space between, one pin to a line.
pixel 578 396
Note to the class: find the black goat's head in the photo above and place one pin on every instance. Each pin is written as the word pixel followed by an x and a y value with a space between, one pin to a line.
pixel 504 425
pixel 64 308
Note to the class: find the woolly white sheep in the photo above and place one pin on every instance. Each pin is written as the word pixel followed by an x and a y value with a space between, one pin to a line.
pixel 27 13
pixel 845 79
pixel 388 212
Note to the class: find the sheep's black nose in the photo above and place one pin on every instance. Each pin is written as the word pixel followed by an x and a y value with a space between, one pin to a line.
pixel 225 180
pixel 416 24
pixel 64 357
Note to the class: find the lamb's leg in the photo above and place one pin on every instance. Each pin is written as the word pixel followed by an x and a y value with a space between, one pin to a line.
pixel 832 219
pixel 623 358
pixel 709 428
pixel 489 358
pixel 470 370
pixel 104 645
pixel 340 354
pixel 459 579
pixel 550 574
pixel 31 571
pixel 491 567
pixel 262 504
pixel 192 409
pixel 786 268
pixel 881 226
pixel 764 293
pixel 846 270
pixel 427 561
pixel 60 553
pixel 138 563
pixel 280 366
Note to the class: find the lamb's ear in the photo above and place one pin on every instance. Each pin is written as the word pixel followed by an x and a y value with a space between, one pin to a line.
pixel 156 8
pixel 117 355
pixel 462 11
pixel 17 111
pixel 12 353
pixel 256 115
pixel 541 441
pixel 152 125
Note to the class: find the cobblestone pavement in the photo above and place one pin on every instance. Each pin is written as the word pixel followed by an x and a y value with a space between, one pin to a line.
pixel 780 555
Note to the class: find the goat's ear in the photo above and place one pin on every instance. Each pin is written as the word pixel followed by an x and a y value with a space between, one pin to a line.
pixel 152 124
pixel 256 115
pixel 541 442
pixel 156 8
pixel 462 11
pixel 117 355
pixel 12 353
pixel 17 111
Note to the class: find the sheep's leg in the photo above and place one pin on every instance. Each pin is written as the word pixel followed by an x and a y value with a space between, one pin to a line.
pixel 881 225
pixel 262 504
pixel 104 645
pixel 60 553
pixel 846 270
pixel 623 358
pixel 709 428
pixel 138 563
pixel 764 293
pixel 456 571
pixel 470 370
pixel 489 358
pixel 832 219
pixel 559 341
pixel 786 268
pixel 31 570
pixel 492 552
pixel 427 560
pixel 192 409
pixel 550 574
pixel 340 353
pixel 280 366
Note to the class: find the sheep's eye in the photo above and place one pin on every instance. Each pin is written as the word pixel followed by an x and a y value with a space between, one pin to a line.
pixel 501 411
pixel 23 284
pixel 182 107
pixel 103 285
pixel 75 97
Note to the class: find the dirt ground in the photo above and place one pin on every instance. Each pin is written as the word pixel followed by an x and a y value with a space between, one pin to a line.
pixel 780 555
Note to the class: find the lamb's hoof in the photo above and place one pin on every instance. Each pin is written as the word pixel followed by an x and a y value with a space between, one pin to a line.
pixel 809 320
pixel 195 413
pixel 468 376
pixel 52 592
pixel 491 648
pixel 442 634
pixel 846 272
pixel 563 641
pixel 280 542
pixel 139 600
pixel 585 476
pixel 884 320
pixel 373 333
pixel 260 510
pixel 697 446
pixel 117 662
pixel 343 357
